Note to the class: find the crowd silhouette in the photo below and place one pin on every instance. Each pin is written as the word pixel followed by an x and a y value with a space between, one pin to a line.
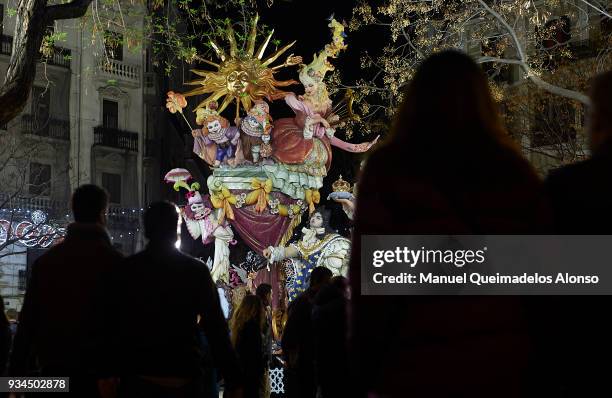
pixel 151 325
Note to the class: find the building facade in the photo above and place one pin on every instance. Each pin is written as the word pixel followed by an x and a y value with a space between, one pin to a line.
pixel 94 116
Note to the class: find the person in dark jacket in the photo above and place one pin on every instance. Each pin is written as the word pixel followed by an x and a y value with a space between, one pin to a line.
pixel 329 324
pixel 581 197
pixel 298 341
pixel 6 338
pixel 448 168
pixel 580 193
pixel 59 326
pixel 247 326
pixel 152 317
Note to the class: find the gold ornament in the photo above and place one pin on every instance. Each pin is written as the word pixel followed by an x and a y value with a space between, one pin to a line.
pixel 341 186
pixel 242 76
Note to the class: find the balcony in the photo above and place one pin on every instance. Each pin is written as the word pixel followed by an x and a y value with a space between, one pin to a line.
pixel 51 128
pixel 115 138
pixel 113 70
pixel 61 56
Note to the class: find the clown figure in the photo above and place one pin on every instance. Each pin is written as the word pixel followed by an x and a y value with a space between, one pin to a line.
pixel 217 141
pixel 255 132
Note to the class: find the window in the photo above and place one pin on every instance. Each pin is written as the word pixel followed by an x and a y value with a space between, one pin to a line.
pixel 40 179
pixel 110 114
pixel 21 282
pixel 112 183
pixel 41 104
pixel 113 43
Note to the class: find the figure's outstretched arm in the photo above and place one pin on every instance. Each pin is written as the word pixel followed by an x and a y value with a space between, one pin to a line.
pixel 355 148
pixel 279 253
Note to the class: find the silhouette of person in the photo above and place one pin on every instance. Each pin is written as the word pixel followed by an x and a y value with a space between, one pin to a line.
pixel 581 195
pixel 448 167
pixel 153 310
pixel 59 326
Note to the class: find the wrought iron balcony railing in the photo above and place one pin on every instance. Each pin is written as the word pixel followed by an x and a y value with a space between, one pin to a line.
pixel 115 138
pixel 52 128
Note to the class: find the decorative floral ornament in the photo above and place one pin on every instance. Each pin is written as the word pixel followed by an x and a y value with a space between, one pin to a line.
pixel 175 102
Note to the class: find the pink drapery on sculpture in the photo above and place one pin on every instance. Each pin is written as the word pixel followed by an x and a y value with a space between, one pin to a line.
pixel 260 230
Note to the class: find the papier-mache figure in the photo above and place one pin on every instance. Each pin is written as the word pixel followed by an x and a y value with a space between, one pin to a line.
pixel 202 221
pixel 216 142
pixel 255 130
pixel 302 144
pixel 317 248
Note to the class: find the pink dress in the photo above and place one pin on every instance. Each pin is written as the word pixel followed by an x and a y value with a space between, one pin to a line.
pixel 288 142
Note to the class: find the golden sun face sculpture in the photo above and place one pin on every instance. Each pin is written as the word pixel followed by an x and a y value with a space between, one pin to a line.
pixel 243 76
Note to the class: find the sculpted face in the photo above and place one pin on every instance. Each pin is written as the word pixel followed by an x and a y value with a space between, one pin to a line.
pixel 200 211
pixel 237 82
pixel 309 83
pixel 316 220
pixel 213 126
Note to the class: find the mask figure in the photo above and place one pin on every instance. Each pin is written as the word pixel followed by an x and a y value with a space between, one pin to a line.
pixel 256 125
pixel 217 141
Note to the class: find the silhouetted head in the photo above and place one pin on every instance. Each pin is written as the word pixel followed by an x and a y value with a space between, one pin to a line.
pixel 89 204
pixel 600 120
pixel 250 309
pixel 264 292
pixel 447 107
pixel 160 223
pixel 319 277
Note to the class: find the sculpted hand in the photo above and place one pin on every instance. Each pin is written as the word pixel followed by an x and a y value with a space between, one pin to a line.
pixel 196 133
pixel 267 253
pixel 293 60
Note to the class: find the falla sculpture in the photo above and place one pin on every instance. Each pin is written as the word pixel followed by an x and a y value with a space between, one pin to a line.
pixel 267 172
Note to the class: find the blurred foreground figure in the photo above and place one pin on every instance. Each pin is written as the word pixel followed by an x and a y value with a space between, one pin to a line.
pixel 448 168
pixel 247 326
pixel 298 340
pixel 59 324
pixel 154 303
pixel 581 195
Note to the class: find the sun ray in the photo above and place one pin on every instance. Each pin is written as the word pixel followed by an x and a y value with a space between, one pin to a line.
pixel 203 73
pixel 241 76
pixel 231 37
pixel 246 103
pixel 218 50
pixel 226 101
pixel 252 37
pixel 277 54
pixel 211 98
pixel 263 47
